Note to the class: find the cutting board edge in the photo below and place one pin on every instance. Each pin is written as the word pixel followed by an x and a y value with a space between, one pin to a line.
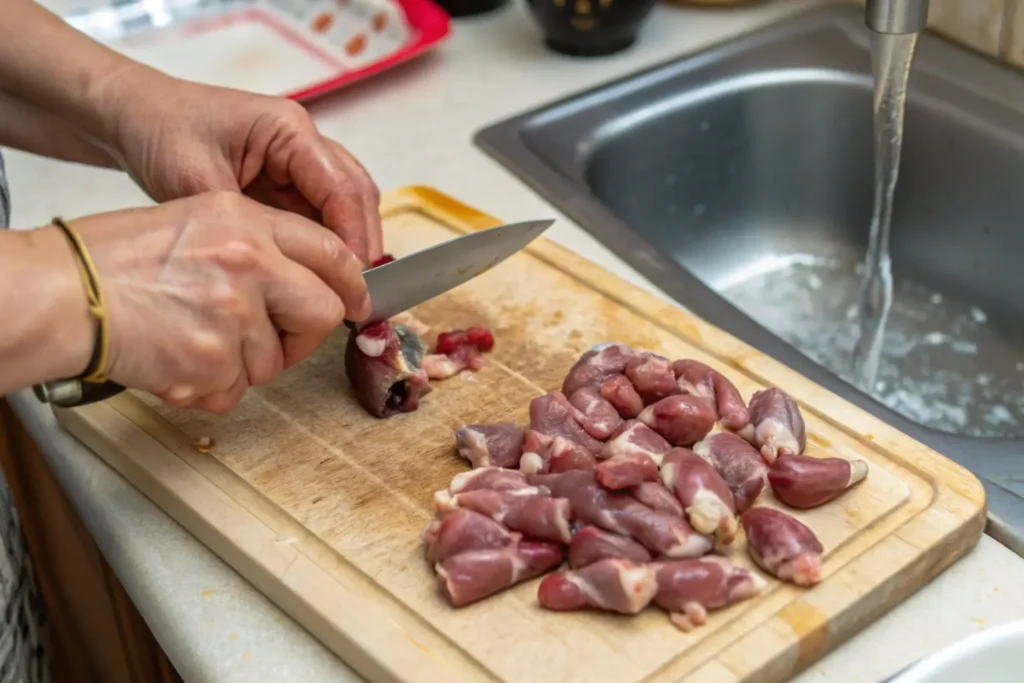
pixel 775 649
pixel 949 527
pixel 297 582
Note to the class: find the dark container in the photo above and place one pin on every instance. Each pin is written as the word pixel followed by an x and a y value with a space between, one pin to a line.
pixel 465 8
pixel 589 28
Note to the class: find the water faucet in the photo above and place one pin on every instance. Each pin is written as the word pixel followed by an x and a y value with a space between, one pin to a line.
pixel 896 16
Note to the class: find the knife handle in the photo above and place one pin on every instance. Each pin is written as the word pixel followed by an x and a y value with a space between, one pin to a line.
pixel 70 393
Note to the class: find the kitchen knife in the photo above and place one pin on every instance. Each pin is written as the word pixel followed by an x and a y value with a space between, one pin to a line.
pixel 411 280
pixel 394 287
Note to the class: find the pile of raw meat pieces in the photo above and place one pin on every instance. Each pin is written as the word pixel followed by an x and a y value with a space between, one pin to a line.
pixel 639 472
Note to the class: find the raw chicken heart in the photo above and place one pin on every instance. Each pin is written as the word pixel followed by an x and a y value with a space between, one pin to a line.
pixel 383 362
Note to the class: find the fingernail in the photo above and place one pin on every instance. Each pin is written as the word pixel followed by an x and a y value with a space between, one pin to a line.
pixel 365 304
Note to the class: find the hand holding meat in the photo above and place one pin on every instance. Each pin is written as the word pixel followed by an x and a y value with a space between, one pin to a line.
pixel 209 295
pixel 186 138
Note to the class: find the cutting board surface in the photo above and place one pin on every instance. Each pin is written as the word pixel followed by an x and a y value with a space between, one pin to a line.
pixel 321 505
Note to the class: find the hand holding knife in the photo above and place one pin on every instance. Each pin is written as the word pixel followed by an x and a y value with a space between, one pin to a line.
pixel 394 287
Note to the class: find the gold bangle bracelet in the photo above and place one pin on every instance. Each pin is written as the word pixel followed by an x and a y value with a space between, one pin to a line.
pixel 95 372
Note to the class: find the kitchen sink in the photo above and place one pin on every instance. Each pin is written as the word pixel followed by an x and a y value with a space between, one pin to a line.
pixel 739 181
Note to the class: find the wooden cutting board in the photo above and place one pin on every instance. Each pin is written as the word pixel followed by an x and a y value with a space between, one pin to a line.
pixel 321 506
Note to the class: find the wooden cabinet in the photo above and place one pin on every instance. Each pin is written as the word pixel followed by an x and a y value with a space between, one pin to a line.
pixel 95 634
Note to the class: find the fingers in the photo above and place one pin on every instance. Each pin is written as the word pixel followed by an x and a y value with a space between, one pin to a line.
pixel 324 253
pixel 226 400
pixel 262 354
pixel 303 308
pixel 331 180
pixel 369 201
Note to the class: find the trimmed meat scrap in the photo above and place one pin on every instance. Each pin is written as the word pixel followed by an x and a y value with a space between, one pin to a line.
pixel 596 366
pixel 383 362
pixel 442 366
pixel 652 377
pixel 531 511
pixel 689 589
pixel 682 420
pixel 660 532
pixel 495 478
pixel 739 463
pixel 462 530
pixel 778 425
pixel 590 545
pixel 476 574
pixel 479 338
pixel 704 494
pixel 782 545
pixel 803 482
pixel 614 585
pixel 636 438
pixel 497 445
pixel 600 417
pixel 458 350
pixel 621 393
pixel 654 495
pixel 696 379
pixel 626 471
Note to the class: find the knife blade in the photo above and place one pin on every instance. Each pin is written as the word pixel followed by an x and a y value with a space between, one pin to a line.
pixel 419 277
pixel 394 287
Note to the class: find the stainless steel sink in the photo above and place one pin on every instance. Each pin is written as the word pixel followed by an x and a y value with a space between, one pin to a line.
pixel 739 180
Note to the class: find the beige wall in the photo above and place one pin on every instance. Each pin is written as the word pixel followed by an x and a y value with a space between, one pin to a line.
pixel 994 27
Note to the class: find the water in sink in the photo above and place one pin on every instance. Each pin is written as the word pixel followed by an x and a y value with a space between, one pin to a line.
pixel 942 362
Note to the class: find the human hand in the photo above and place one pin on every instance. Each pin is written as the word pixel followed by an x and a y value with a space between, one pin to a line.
pixel 209 295
pixel 178 138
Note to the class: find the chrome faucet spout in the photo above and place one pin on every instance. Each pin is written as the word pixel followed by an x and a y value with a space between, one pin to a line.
pixel 896 16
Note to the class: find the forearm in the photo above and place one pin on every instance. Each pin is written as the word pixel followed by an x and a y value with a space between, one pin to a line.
pixel 49 64
pixel 47 332
pixel 26 127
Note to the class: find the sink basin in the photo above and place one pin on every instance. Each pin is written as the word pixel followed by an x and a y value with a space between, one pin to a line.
pixel 739 180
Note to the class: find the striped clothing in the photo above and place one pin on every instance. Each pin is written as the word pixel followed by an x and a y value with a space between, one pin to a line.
pixel 22 616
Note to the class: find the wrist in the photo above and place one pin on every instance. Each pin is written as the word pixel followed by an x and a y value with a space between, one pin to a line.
pixel 124 102
pixel 58 332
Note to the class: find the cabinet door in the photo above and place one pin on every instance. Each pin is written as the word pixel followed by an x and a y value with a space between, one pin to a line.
pixel 94 632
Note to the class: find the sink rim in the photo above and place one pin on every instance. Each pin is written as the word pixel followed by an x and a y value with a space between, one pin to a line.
pixel 505 143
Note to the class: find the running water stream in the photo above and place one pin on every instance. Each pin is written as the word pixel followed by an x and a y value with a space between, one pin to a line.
pixel 943 363
pixel 891 57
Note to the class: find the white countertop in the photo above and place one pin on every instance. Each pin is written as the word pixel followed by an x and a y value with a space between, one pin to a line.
pixel 414 126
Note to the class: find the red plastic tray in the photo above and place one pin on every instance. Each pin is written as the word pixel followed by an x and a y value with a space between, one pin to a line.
pixel 296 48
pixel 431 25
